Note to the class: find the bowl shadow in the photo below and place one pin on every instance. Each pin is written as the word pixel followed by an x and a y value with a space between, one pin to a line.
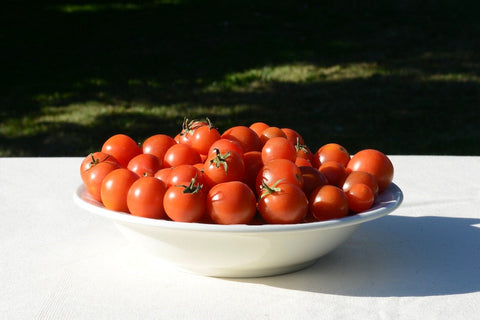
pixel 395 256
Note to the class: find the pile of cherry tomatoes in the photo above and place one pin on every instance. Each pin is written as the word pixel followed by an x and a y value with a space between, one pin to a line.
pixel 245 175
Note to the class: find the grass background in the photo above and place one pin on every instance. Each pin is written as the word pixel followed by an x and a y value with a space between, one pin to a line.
pixel 401 76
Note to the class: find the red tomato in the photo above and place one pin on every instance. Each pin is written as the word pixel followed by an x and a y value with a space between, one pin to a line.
pixel 188 128
pixel 223 168
pixel 258 127
pixel 302 162
pixel 304 152
pixel 253 164
pixel 180 153
pixel 328 202
pixel 334 172
pixel 225 145
pixel 94 159
pixel 183 174
pixel 282 203
pixel 185 203
pixel 145 198
pixel 331 152
pixel 271 132
pixel 158 145
pixel 278 169
pixel 376 163
pixel 312 179
pixel 360 197
pixel 93 177
pixel 231 202
pixel 203 137
pixel 278 148
pixel 145 164
pixel 121 147
pixel 115 188
pixel 247 138
pixel 293 136
pixel 163 174
pixel 356 177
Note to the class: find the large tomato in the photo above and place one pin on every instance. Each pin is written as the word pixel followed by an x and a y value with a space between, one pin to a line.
pixel 374 162
pixel 231 202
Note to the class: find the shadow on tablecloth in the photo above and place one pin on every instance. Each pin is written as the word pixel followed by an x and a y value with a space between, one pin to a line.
pixel 396 256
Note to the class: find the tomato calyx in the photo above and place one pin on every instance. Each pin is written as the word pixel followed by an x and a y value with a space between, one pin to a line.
pixel 301 147
pixel 220 159
pixel 192 187
pixel 266 189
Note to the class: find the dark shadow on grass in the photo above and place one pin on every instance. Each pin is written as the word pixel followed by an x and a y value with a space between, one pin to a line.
pixel 165 53
pixel 396 256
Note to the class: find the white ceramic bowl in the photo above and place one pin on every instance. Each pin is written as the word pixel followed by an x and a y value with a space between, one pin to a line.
pixel 239 250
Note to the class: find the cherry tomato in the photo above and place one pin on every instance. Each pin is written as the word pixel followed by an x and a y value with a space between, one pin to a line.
pixel 278 169
pixel 95 158
pixel 278 148
pixel 282 203
pixel 302 162
pixel 258 127
pixel 183 174
pixel 334 172
pixel 328 202
pixel 203 137
pixel 180 153
pixel 223 167
pixel 225 145
pixel 115 188
pixel 145 164
pixel 163 174
pixel 356 177
pixel 247 138
pixel 303 151
pixel 312 179
pixel 231 202
pixel 188 128
pixel 271 132
pixel 360 197
pixel 93 177
pixel 253 163
pixel 121 147
pixel 376 163
pixel 331 152
pixel 158 145
pixel 185 203
pixel 293 136
pixel 145 198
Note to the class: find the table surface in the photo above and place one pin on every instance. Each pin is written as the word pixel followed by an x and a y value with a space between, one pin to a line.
pixel 420 262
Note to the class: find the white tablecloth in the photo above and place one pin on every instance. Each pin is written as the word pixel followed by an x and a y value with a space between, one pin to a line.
pixel 421 262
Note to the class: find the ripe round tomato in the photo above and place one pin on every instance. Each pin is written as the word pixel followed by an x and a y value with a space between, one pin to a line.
pixel 145 164
pixel 328 202
pixel 115 188
pixel 247 138
pixel 158 145
pixel 180 153
pixel 203 137
pixel 163 174
pixel 293 136
pixel 253 164
pixel 271 132
pixel 95 158
pixel 258 127
pixel 278 169
pixel 356 177
pixel 231 202
pixel 278 148
pixel 374 162
pixel 312 179
pixel 334 172
pixel 121 147
pixel 183 174
pixel 185 203
pixel 93 177
pixel 331 152
pixel 360 197
pixel 282 203
pixel 223 168
pixel 145 198
pixel 225 145
pixel 302 162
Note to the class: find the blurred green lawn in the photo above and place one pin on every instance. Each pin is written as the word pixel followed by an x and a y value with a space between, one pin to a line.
pixel 401 76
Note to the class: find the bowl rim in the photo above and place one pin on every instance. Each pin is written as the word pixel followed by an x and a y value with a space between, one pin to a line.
pixel 387 201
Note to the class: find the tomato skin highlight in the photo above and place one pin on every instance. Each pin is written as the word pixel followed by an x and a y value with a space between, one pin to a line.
pixel 145 198
pixel 376 163
pixel 231 202
pixel 115 188
pixel 328 202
